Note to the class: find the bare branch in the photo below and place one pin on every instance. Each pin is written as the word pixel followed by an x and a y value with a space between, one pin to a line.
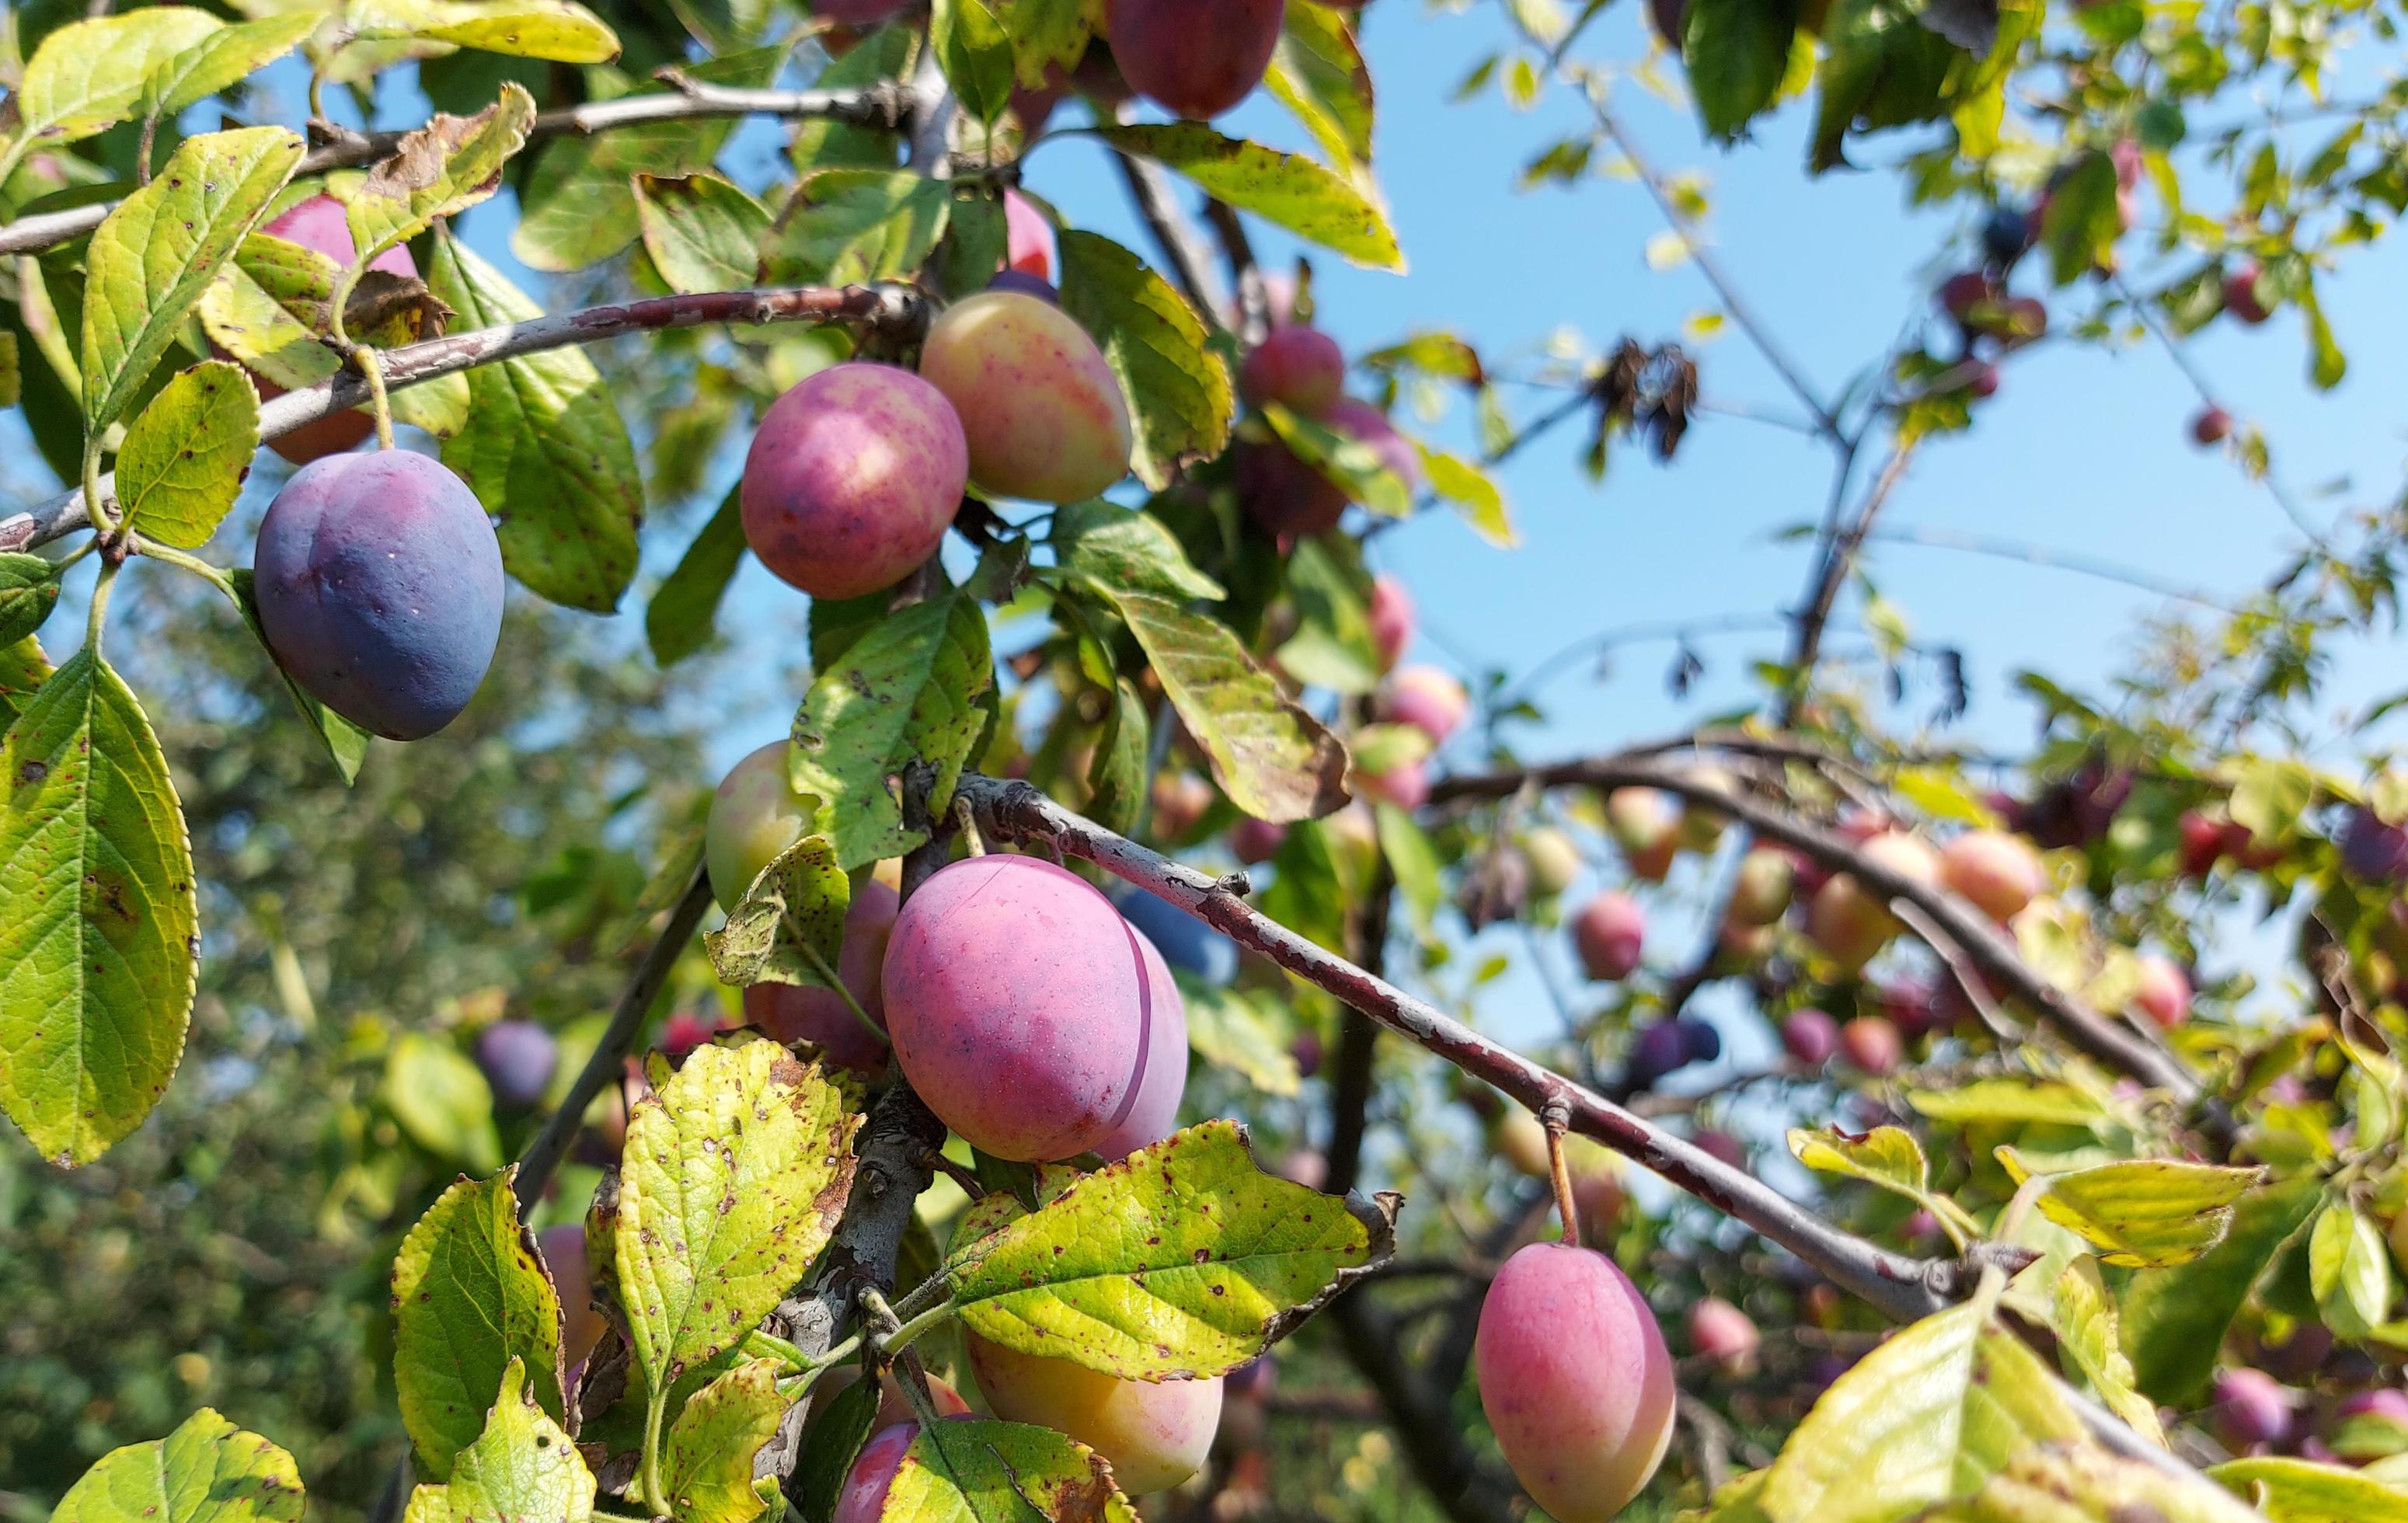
pixel 1832 573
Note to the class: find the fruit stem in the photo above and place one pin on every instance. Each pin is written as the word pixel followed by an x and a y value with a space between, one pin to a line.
pixel 970 837
pixel 95 505
pixel 194 563
pixel 1555 1116
pixel 366 360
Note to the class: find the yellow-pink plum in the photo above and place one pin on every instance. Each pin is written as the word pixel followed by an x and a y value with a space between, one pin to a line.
pixel 1162 1079
pixel 1180 799
pixel 1194 58
pixel 2164 992
pixel 1022 1006
pixel 755 814
pixel 1028 237
pixel 1575 1380
pixel 1040 406
pixel 792 1012
pixel 1555 862
pixel 1154 1434
pixel 1405 784
pixel 1761 890
pixel 563 1254
pixel 1297 367
pixel 1252 840
pixel 1999 873
pixel 1430 700
pixel 854 476
pixel 1638 818
pixel 1392 619
pixel 1608 933
pixel 1872 1044
pixel 1850 922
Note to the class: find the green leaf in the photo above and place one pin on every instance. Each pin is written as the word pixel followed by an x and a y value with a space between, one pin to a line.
pixel 1284 189
pixel 99 944
pixel 155 255
pixel 734 1174
pixel 981 1471
pixel 1882 68
pixel 1412 859
pixel 905 691
pixel 221 60
pixel 2147 1214
pixel 2327 364
pixel 974 54
pixel 1178 388
pixel 544 448
pixel 1736 52
pixel 1234 1029
pixel 831 1438
pixel 789 926
pixel 471 1298
pixel 1182 1260
pixel 1317 72
pixel 704 234
pixel 1888 1156
pixel 267 307
pixel 87 76
pixel 1123 549
pixel 442 1101
pixel 29 589
pixel 707 1461
pixel 208 1471
pixel 2270 794
pixel 185 457
pixel 2302 1491
pixel 1348 461
pixel 2010 1100
pixel 1473 493
pixel 1117 778
pixel 549 29
pixel 2084 1483
pixel 2081 220
pixel 1332 646
pixel 440 406
pixel 850 225
pixel 887 53
pixel 678 619
pixel 2349 1271
pixel 2174 1320
pixel 23 670
pixel 1275 761
pixel 439 170
pixel 1926 1418
pixel 523 1468
pixel 1050 35
pixel 2083 1315
pixel 346 743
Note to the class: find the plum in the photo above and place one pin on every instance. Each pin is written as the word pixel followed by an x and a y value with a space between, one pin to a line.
pixel 1426 698
pixel 1162 1079
pixel 2373 850
pixel 1021 1006
pixel 1392 619
pixel 1038 405
pixel 755 814
pixel 852 478
pixel 1701 1040
pixel 1996 871
pixel 1608 933
pixel 1404 785
pixel 2210 426
pixel 1252 840
pixel 378 584
pixel 1368 425
pixel 1723 1333
pixel 792 1012
pixel 1810 1036
pixel 320 223
pixel 1183 941
pixel 1194 58
pixel 685 1031
pixel 1761 890
pixel 1872 1044
pixel 563 1249
pixel 1283 494
pixel 1575 1380
pixel 1179 799
pixel 1638 818
pixel 2250 1408
pixel 1028 237
pixel 1297 367
pixel 518 1058
pixel 1554 860
pixel 863 1496
pixel 2164 992
pixel 2007 235
pixel 2241 293
pixel 1656 1051
pixel 1721 1147
pixel 1023 283
pixel 1850 922
pixel 1153 1433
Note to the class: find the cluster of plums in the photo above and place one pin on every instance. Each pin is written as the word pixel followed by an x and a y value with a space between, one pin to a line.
pixel 1301 368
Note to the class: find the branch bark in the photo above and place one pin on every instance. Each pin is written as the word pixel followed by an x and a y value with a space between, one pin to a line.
pixel 1902 1286
pixel 890 306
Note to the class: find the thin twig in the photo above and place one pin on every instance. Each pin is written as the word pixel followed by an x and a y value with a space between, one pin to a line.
pixel 1831 574
pixel 2059 560
pixel 1182 247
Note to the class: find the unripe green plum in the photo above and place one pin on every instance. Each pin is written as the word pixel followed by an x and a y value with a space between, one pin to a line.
pixel 2164 992
pixel 563 1254
pixel 1039 407
pixel 1999 873
pixel 1194 58
pixel 792 1012
pixel 1609 933
pixel 1555 861
pixel 1850 922
pixel 1575 1380
pixel 1154 1434
pixel 1021 1006
pixel 1392 619
pixel 1426 698
pixel 755 814
pixel 853 479
pixel 1761 890
pixel 1638 818
pixel 1300 367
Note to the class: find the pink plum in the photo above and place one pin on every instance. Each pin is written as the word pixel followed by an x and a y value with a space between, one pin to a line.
pixel 1609 933
pixel 1162 1079
pixel 1028 237
pixel 853 479
pixel 1392 618
pixel 1300 367
pixel 1430 700
pixel 1999 873
pixel 791 1012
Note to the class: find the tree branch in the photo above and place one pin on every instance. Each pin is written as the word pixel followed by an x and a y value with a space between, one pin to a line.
pixel 1157 203
pixel 872 306
pixel 1832 573
pixel 1902 1286
pixel 691 100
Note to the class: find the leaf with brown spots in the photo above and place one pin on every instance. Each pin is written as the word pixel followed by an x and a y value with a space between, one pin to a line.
pixel 979 1471
pixel 1184 1260
pixel 441 169
pixel 208 1471
pixel 99 938
pixel 706 1462
pixel 520 1470
pixel 185 457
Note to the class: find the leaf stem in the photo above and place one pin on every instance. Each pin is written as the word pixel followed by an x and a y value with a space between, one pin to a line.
pixel 921 1294
pixel 366 358
pixel 93 498
pixel 905 1332
pixel 655 1407
pixel 818 966
pixel 100 591
pixel 199 567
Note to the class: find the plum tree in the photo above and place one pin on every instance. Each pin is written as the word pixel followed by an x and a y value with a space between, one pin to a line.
pixel 1194 58
pixel 2163 991
pixel 563 1249
pixel 1996 870
pixel 1392 619
pixel 379 582
pixel 1722 1334
pixel 1430 699
pixel 1021 1006
pixel 1153 1433
pixel 755 813
pixel 1584 1420
pixel 1039 407
pixel 1028 237
pixel 518 1058
pixel 319 225
pixel 1162 1066
pixel 795 1013
pixel 852 478
pixel 1298 366
pixel 1609 934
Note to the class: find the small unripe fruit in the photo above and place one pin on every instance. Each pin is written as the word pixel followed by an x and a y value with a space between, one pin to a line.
pixel 790 1012
pixel 755 814
pixel 1761 891
pixel 1430 700
pixel 2164 992
pixel 1724 1334
pixel 1575 1380
pixel 1810 1036
pixel 1852 922
pixel 518 1058
pixel 1028 237
pixel 1194 58
pixel 563 1254
pixel 2250 1409
pixel 852 478
pixel 1996 871
pixel 1299 368
pixel 2241 293
pixel 1638 818
pixel 1039 407
pixel 379 584
pixel 1154 1434
pixel 1609 933
pixel 1554 861
pixel 1392 619
pixel 1873 1045
pixel 2210 425
pixel 1255 841
pixel 1406 784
